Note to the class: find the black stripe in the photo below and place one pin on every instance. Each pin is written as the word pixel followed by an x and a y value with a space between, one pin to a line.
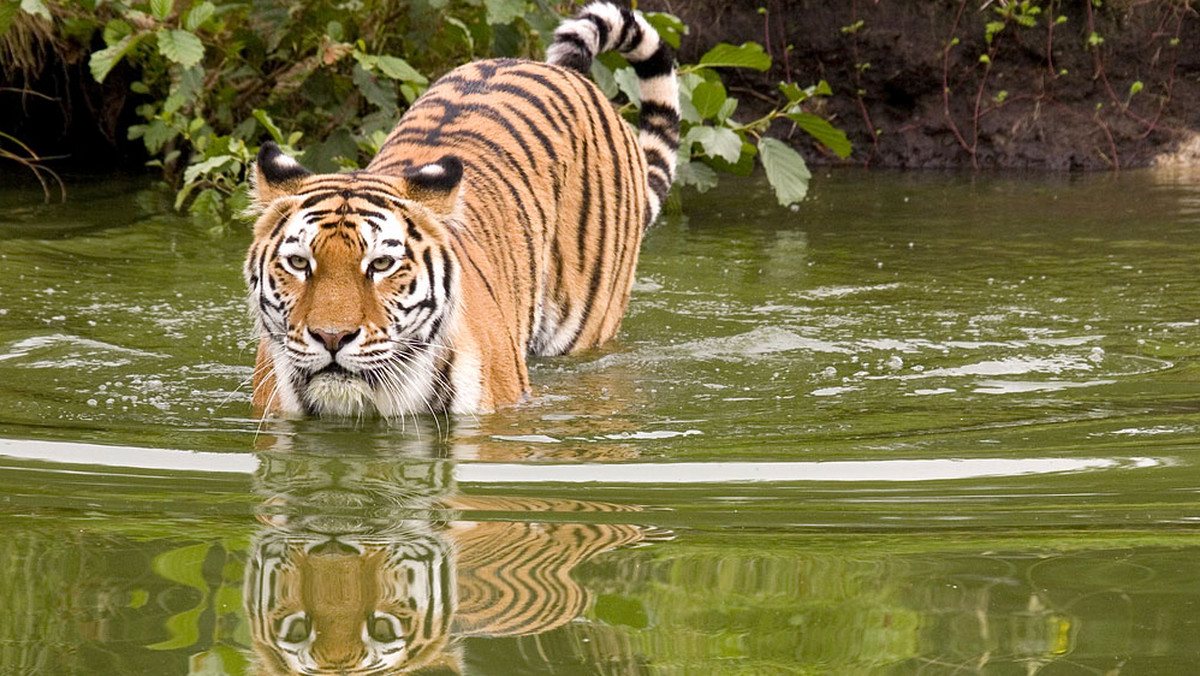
pixel 658 184
pixel 532 99
pixel 661 62
pixel 609 135
pixel 601 31
pixel 579 58
pixel 628 23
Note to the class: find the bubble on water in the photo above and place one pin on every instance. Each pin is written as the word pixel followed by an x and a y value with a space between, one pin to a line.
pixel 829 372
pixel 894 363
pixel 110 401
pixel 92 402
pixel 1096 355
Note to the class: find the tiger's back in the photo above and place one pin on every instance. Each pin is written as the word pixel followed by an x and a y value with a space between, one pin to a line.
pixel 554 195
pixel 502 217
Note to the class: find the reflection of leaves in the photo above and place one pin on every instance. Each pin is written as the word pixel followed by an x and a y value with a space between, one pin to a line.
pixel 184 629
pixel 622 610
pixel 184 565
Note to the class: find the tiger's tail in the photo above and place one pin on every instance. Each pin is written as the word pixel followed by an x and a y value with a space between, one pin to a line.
pixel 602 27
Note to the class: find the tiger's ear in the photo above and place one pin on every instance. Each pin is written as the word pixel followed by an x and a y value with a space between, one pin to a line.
pixel 275 175
pixel 435 185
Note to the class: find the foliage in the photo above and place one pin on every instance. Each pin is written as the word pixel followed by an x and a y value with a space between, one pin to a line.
pixel 217 77
pixel 711 139
pixel 1064 30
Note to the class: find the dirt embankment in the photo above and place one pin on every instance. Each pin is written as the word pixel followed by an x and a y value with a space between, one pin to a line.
pixel 919 84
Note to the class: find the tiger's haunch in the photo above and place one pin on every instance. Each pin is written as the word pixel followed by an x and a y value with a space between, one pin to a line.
pixel 501 218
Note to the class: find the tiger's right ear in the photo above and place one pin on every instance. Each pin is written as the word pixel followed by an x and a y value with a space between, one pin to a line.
pixel 275 175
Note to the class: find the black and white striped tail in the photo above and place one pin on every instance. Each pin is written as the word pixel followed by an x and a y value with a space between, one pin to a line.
pixel 601 27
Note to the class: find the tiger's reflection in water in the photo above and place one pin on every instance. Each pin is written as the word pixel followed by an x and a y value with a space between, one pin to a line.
pixel 364 565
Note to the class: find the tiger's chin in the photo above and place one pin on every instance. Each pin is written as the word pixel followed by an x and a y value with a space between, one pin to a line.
pixel 340 394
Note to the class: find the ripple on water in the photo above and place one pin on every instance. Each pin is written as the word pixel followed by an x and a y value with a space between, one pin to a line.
pixel 60 350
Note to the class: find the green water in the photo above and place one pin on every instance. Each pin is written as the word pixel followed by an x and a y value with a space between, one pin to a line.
pixel 926 424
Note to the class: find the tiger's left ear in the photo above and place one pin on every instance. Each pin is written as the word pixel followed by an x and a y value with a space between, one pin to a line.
pixel 435 185
pixel 275 175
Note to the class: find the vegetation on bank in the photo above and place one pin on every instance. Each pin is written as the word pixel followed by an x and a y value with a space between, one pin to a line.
pixel 327 80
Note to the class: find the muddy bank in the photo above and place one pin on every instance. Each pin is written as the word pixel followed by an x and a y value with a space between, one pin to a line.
pixel 919 84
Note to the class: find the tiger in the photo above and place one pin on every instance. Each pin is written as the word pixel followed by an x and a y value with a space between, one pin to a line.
pixel 500 219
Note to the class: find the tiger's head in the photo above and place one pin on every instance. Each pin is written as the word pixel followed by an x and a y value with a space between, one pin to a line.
pixel 353 284
pixel 341 605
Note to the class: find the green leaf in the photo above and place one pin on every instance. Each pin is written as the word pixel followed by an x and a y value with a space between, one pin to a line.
pixel 744 166
pixel 602 75
pixel 720 142
pixel 504 11
pixel 786 170
pixel 115 31
pixel 669 26
pixel 155 135
pixel 381 94
pixel 180 46
pixel 197 15
pixel 708 97
pixel 627 82
pixel 103 61
pixel 726 110
pixel 8 13
pixel 161 9
pixel 748 55
pixel 399 69
pixel 265 120
pixel 793 92
pixel 826 134
pixel 457 23
pixel 36 8
pixel 698 175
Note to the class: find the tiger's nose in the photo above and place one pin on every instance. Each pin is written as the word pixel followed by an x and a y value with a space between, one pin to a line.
pixel 336 339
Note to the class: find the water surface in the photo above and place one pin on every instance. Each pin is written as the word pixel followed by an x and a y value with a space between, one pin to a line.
pixel 924 424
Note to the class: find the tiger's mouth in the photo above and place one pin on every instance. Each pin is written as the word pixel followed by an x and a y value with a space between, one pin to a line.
pixel 334 390
pixel 335 370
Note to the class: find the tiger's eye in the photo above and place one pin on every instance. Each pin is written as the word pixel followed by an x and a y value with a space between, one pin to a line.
pixel 298 262
pixel 382 630
pixel 297 629
pixel 382 264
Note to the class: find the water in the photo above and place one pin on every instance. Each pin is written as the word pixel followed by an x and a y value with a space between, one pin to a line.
pixel 926 424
